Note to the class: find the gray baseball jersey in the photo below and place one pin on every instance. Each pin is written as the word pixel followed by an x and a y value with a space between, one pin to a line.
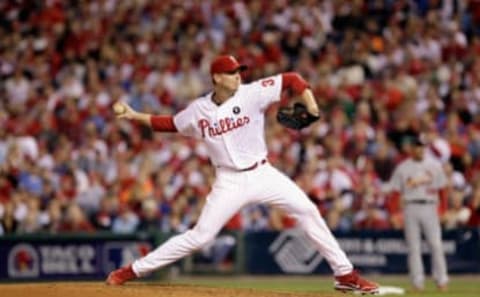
pixel 418 179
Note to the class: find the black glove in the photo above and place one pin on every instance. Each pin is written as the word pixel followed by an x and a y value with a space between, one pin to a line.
pixel 296 117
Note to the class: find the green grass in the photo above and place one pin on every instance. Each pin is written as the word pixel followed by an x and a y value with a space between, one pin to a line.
pixel 460 286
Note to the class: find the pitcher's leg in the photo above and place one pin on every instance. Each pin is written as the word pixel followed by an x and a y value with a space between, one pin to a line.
pixel 284 193
pixel 219 208
pixel 433 234
pixel 310 220
pixel 414 239
pixel 281 191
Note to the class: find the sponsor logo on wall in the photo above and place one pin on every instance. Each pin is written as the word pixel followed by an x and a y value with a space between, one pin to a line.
pixel 294 253
pixel 23 262
pixel 51 260
pixel 118 254
pixel 68 259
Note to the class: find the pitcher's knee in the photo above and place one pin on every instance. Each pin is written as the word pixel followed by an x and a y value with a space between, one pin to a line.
pixel 310 218
pixel 200 237
pixel 309 211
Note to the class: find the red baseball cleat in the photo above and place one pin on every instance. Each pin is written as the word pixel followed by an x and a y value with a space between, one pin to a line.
pixel 120 276
pixel 353 282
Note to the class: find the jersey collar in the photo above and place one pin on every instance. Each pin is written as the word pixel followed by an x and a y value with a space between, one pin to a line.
pixel 220 104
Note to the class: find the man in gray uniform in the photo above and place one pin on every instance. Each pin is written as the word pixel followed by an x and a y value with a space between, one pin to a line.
pixel 419 180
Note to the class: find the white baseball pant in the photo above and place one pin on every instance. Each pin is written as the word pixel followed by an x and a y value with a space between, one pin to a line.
pixel 231 191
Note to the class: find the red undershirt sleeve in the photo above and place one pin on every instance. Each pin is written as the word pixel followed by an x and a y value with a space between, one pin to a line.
pixel 162 123
pixel 293 81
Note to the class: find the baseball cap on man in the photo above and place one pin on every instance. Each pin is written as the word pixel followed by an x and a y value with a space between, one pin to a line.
pixel 225 64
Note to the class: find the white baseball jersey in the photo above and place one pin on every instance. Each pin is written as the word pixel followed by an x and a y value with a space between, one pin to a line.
pixel 233 131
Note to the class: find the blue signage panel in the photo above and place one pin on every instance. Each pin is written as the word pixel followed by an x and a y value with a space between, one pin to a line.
pixel 67 258
pixel 384 252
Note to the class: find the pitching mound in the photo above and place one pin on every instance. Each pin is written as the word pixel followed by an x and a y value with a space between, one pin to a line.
pixel 136 289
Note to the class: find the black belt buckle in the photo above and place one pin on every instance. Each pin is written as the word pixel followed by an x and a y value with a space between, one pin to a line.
pixel 254 165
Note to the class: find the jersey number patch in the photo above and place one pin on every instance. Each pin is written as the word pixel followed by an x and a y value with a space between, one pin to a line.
pixel 268 82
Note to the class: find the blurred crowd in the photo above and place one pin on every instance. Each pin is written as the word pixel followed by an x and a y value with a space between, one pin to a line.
pixel 381 70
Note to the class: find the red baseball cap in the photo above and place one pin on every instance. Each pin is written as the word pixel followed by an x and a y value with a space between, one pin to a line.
pixel 226 63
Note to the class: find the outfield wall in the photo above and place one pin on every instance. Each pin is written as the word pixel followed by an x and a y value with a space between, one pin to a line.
pixel 49 257
pixel 379 252
pixel 80 256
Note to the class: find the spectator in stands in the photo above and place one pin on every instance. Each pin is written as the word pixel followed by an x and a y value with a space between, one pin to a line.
pixel 126 221
pixel 457 214
pixel 474 206
pixel 8 222
pixel 33 220
pixel 257 220
pixel 75 220
pixel 150 220
pixel 54 216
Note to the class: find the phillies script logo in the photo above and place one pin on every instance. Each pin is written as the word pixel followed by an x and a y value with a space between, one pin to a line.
pixel 223 126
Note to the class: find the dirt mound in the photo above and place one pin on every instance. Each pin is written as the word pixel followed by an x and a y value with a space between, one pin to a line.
pixel 136 289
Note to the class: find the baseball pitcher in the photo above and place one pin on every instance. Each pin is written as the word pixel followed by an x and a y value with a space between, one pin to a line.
pixel 230 120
